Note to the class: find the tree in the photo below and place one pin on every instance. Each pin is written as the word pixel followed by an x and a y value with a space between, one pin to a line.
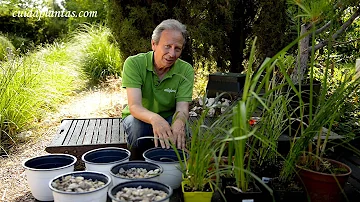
pixel 218 29
pixel 327 17
pixel 272 28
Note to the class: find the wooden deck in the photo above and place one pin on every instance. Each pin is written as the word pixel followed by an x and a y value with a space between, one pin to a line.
pixel 77 136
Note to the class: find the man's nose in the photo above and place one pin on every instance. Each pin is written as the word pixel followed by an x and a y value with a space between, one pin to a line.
pixel 172 52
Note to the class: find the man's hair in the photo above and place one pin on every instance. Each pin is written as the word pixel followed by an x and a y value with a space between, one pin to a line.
pixel 169 24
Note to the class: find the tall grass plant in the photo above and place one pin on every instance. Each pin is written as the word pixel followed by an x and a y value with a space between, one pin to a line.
pixel 101 56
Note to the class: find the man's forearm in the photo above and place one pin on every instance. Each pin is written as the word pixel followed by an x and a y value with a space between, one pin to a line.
pixel 142 113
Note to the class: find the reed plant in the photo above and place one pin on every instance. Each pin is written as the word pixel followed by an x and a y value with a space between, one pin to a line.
pixel 330 107
pixel 31 85
pixel 6 48
pixel 100 53
pixel 202 165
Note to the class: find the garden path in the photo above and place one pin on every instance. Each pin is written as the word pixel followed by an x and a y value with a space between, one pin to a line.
pixel 106 100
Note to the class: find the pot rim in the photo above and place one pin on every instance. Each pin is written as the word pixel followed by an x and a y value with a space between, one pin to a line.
pixel 137 161
pixel 49 169
pixel 79 172
pixel 326 174
pixel 141 181
pixel 105 148
pixel 159 148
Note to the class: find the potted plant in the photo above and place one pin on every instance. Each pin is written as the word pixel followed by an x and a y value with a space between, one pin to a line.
pixel 198 169
pixel 310 162
pixel 239 182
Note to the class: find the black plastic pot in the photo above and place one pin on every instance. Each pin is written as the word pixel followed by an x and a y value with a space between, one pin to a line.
pixel 284 194
pixel 232 194
pixel 144 184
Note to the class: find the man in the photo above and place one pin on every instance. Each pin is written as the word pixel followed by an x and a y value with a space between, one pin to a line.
pixel 159 88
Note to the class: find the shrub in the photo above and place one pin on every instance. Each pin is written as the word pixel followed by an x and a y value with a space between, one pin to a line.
pixel 5 44
pixel 32 85
pixel 101 55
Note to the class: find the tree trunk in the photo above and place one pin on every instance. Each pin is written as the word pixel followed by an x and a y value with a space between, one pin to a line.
pixel 301 66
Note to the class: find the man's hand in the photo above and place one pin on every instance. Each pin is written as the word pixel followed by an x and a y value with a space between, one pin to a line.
pixel 161 130
pixel 178 132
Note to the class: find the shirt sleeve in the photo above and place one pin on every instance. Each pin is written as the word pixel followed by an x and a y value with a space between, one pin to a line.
pixel 131 76
pixel 185 91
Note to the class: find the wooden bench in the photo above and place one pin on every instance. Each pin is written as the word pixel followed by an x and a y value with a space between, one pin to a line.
pixel 77 136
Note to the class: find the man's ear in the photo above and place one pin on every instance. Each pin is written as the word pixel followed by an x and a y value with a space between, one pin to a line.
pixel 153 45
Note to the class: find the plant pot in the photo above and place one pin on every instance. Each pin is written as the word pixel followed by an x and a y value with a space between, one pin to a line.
pixel 144 184
pixel 196 196
pixel 168 160
pixel 289 191
pixel 324 187
pixel 233 194
pixel 103 159
pixel 40 170
pixel 97 195
pixel 134 164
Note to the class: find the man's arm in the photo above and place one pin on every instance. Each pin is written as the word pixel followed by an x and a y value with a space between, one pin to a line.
pixel 161 127
pixel 178 126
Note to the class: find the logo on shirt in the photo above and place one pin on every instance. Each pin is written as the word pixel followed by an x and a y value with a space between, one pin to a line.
pixel 169 90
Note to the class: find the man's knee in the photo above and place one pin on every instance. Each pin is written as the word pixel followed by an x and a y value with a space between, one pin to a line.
pixel 135 129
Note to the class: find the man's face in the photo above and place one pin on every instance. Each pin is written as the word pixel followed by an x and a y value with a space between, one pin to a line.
pixel 169 48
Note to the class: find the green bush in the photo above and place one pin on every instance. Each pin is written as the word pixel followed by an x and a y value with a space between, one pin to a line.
pixel 31 85
pixel 101 55
pixel 4 45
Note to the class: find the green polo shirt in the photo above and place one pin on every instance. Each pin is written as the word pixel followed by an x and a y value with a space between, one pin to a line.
pixel 158 96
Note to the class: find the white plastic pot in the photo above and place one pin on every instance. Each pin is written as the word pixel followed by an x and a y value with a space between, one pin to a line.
pixel 97 195
pixel 168 160
pixel 40 170
pixel 134 164
pixel 103 159
pixel 144 184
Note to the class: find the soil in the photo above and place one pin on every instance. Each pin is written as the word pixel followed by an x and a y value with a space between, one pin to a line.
pixel 326 167
pixel 105 100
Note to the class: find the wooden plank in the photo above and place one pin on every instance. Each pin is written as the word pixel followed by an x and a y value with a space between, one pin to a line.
pixel 70 133
pixel 109 131
pixel 89 132
pixel 77 131
pixel 102 131
pixel 354 159
pixel 122 135
pixel 61 132
pixel 81 138
pixel 355 169
pixel 354 182
pixel 115 131
pixel 96 132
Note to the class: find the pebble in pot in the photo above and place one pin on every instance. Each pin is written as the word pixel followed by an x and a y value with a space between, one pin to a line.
pixel 84 186
pixel 133 170
pixel 140 190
